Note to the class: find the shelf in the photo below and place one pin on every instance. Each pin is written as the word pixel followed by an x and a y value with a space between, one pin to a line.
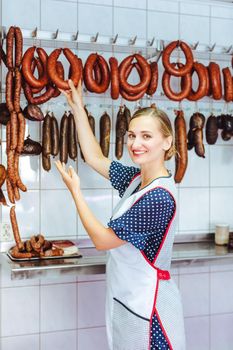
pixel 94 262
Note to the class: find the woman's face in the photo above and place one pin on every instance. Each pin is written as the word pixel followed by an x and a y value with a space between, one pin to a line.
pixel 145 141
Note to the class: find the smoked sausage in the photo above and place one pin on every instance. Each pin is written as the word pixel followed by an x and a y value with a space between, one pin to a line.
pixel 215 80
pixel 171 68
pixel 64 139
pixel 72 140
pixel 105 129
pixel 181 146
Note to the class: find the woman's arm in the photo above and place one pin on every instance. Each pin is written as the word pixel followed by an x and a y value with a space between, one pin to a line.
pixel 90 147
pixel 103 238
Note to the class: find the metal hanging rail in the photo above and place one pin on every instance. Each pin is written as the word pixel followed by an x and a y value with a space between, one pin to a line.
pixel 149 48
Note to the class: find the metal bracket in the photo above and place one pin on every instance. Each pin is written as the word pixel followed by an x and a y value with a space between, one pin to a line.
pixel 150 43
pixel 228 50
pixel 94 38
pixel 114 40
pixel 133 41
pixel 194 46
pixel 75 37
pixel 211 48
pixel 34 33
pixel 55 35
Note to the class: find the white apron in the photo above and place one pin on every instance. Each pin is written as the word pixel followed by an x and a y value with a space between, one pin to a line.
pixel 138 288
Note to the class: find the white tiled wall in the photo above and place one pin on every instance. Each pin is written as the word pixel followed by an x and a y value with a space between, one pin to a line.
pixel 68 313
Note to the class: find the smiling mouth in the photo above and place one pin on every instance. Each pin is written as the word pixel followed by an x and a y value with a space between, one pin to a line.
pixel 138 152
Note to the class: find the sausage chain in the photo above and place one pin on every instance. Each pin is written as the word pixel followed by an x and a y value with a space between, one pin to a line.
pixel 15 128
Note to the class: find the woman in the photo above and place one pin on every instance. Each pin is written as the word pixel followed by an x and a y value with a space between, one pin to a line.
pixel 143 309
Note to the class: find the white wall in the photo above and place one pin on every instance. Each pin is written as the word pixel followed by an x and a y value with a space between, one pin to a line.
pixel 69 313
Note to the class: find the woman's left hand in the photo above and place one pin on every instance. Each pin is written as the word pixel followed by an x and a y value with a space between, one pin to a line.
pixel 69 176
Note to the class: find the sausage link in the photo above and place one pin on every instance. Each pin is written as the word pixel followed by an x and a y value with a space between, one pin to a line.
pixel 21 132
pixel 211 130
pixel 18 47
pixel 10 191
pixel 198 141
pixel 46 163
pixel 154 79
pixel 61 74
pixel 72 140
pixel 9 91
pixel 46 136
pixel 19 182
pixel 121 128
pixel 11 166
pixel 215 80
pixel 8 136
pixel 9 47
pixel 105 129
pixel 91 121
pixel 127 115
pixel 181 146
pixel 228 84
pixel 171 68
pixel 54 136
pixel 15 229
pixel 64 139
pixel 17 90
pixel 114 76
pixel 16 193
pixel 14 130
pixel 2 198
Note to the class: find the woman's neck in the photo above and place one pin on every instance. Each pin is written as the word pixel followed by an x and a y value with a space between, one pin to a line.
pixel 150 172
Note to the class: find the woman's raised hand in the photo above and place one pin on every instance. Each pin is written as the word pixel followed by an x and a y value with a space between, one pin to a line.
pixel 74 95
pixel 70 177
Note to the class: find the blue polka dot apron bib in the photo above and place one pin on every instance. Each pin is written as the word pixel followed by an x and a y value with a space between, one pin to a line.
pixel 143 305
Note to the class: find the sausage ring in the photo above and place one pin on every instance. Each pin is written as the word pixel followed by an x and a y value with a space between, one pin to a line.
pixel 90 82
pixel 202 89
pixel 75 68
pixel 187 85
pixel 26 67
pixel 169 67
pixel 145 74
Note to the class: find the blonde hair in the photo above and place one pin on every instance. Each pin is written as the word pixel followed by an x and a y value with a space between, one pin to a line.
pixel 165 126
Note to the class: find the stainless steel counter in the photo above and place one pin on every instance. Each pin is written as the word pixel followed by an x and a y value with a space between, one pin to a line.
pixel 93 261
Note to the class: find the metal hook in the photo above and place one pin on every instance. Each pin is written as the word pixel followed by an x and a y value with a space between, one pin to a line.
pixel 94 38
pixel 160 45
pixel 150 43
pixel 228 50
pixel 194 46
pixel 114 40
pixel 55 35
pixel 211 48
pixel 34 33
pixel 133 41
pixel 75 37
